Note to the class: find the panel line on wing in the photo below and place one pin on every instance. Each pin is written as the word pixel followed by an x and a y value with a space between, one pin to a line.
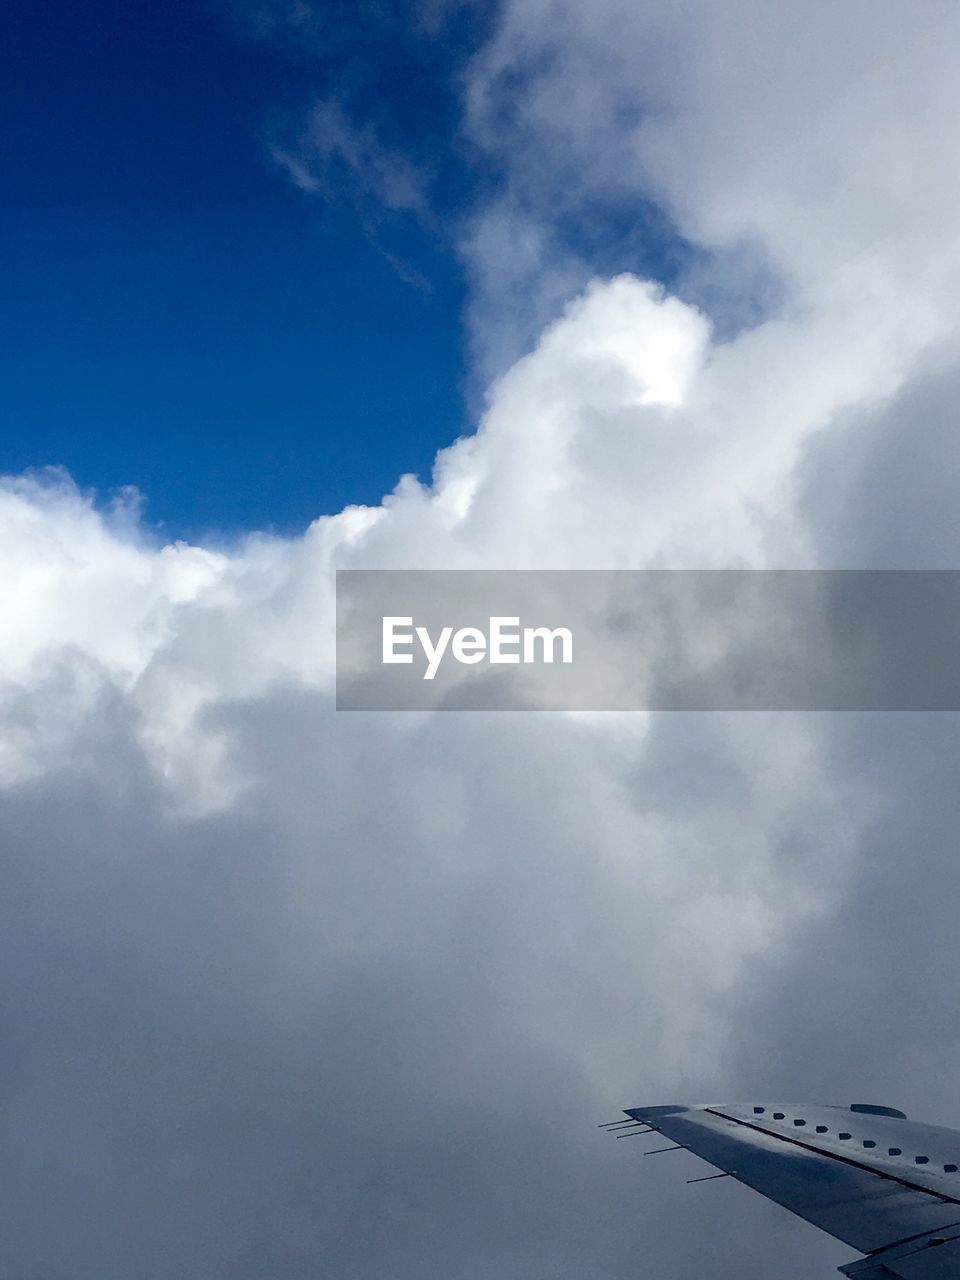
pixel 832 1155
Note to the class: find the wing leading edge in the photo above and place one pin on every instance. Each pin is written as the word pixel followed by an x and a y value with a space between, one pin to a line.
pixel 883 1185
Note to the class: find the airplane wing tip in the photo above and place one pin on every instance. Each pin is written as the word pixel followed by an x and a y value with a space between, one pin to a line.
pixel 650 1114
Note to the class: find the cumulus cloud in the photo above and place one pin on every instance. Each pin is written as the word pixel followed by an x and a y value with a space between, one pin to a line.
pixel 288 989
pixel 814 139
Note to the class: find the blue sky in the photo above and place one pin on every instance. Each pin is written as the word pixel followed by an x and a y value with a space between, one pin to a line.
pixel 178 314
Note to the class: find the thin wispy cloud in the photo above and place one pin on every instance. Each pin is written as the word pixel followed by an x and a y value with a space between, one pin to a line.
pixel 334 151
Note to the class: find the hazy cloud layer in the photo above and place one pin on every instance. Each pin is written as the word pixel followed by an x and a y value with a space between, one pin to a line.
pixel 288 993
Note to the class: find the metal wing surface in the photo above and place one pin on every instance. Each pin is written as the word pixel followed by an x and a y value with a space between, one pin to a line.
pixel 886 1186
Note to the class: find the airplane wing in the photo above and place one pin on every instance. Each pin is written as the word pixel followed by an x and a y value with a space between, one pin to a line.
pixel 886 1186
